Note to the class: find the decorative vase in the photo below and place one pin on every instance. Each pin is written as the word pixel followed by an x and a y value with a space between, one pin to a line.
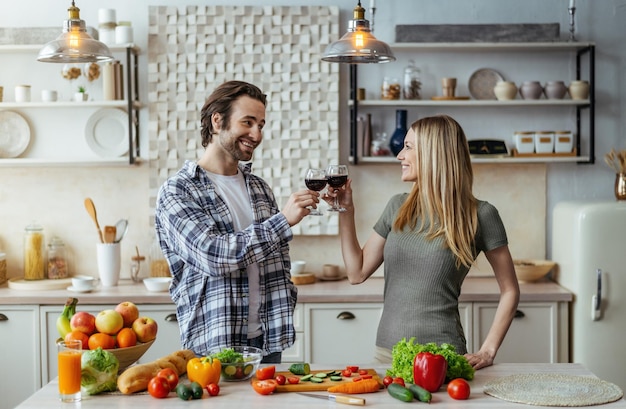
pixel 555 89
pixel 396 143
pixel 505 90
pixel 620 186
pixel 531 90
pixel 579 89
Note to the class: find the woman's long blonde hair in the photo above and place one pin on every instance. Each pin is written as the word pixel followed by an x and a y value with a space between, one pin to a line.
pixel 442 196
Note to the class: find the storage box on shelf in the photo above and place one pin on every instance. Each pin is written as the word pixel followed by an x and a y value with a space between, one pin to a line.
pixel 67 114
pixel 560 57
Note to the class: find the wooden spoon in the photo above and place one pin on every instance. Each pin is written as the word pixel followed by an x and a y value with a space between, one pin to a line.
pixel 109 234
pixel 91 209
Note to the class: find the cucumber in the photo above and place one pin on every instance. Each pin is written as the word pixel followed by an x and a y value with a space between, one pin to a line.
pixel 321 375
pixel 420 393
pixel 306 377
pixel 400 392
pixel 315 379
pixel 336 378
pixel 301 368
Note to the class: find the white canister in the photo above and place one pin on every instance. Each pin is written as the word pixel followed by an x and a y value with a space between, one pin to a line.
pixel 563 142
pixel 22 93
pixel 48 95
pixel 106 33
pixel 106 16
pixel 544 142
pixel 123 33
pixel 524 141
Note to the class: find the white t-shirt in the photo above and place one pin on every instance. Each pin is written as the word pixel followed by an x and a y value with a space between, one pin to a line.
pixel 233 190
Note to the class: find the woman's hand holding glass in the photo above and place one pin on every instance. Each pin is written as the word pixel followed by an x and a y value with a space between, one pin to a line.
pixel 337 176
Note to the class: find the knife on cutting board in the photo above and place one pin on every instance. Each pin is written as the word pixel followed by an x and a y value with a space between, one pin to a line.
pixel 348 400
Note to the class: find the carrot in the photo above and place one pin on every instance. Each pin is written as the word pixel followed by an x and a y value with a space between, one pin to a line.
pixel 364 386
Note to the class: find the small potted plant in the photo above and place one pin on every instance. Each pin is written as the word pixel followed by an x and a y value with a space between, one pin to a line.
pixel 81 95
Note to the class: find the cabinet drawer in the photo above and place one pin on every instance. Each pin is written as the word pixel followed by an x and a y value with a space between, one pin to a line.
pixel 531 337
pixel 342 333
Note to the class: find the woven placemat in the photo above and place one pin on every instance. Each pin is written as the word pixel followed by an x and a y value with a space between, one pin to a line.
pixel 551 389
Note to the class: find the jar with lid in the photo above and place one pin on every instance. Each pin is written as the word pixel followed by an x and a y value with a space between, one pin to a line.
pixel 34 252
pixel 135 266
pixel 158 263
pixel 57 259
pixel 390 90
pixel 412 85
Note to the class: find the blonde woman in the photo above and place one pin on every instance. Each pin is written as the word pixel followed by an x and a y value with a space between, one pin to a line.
pixel 428 239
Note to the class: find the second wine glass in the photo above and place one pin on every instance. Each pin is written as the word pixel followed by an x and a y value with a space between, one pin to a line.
pixel 315 179
pixel 337 176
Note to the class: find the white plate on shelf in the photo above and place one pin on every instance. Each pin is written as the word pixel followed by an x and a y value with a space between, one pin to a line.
pixel 19 283
pixel 482 82
pixel 106 132
pixel 14 134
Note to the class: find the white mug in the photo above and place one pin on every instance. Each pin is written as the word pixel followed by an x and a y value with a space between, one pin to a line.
pixel 22 93
pixel 48 95
pixel 109 263
pixel 84 283
pixel 297 266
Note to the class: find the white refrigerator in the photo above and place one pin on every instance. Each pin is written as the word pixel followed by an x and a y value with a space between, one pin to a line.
pixel 589 245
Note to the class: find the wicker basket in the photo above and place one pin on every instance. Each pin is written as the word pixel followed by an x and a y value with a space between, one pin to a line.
pixel 532 270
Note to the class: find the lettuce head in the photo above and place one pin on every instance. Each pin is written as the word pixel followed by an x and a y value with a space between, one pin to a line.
pixel 98 372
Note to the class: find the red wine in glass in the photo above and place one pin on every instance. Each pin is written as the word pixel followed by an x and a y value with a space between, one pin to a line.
pixel 315 179
pixel 337 176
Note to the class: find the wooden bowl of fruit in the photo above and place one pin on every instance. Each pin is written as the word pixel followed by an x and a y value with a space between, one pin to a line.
pixel 129 355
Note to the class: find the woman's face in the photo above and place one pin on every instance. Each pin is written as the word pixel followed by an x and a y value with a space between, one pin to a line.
pixel 408 158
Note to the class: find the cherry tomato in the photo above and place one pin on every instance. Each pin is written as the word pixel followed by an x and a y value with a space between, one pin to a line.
pixel 399 381
pixel 459 389
pixel 346 373
pixel 280 379
pixel 265 372
pixel 158 387
pixel 352 368
pixel 213 389
pixel 387 380
pixel 357 379
pixel 171 376
pixel 293 380
pixel 362 371
pixel 265 387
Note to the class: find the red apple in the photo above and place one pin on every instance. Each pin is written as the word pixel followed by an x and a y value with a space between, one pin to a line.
pixel 109 322
pixel 129 312
pixel 145 328
pixel 83 322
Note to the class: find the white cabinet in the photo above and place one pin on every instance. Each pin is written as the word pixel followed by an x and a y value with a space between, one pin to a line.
pixel 20 357
pixel 168 338
pixel 68 133
pixel 341 333
pixel 482 119
pixel 295 353
pixel 534 335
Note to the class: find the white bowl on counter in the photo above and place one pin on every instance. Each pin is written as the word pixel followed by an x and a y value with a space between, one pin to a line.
pixel 157 284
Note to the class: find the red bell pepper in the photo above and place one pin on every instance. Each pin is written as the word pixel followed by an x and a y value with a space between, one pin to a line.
pixel 429 371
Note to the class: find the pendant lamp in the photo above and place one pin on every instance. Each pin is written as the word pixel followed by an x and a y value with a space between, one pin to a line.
pixel 358 45
pixel 74 45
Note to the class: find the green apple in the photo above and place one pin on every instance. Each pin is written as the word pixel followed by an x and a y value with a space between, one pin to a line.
pixel 109 322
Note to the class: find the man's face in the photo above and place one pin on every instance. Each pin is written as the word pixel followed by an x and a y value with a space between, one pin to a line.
pixel 243 133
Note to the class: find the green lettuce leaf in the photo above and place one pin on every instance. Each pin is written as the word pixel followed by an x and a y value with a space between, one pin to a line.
pixel 98 372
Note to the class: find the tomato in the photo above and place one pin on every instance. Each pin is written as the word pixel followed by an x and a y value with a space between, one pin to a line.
pixel 265 372
pixel 158 387
pixel 171 376
pixel 352 368
pixel 293 380
pixel 387 380
pixel 399 381
pixel 346 373
pixel 280 379
pixel 265 387
pixel 459 389
pixel 362 372
pixel 213 389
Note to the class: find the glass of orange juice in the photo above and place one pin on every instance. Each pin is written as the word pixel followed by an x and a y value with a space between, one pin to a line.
pixel 69 355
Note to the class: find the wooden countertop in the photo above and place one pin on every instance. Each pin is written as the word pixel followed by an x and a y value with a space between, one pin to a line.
pixel 475 289
pixel 241 394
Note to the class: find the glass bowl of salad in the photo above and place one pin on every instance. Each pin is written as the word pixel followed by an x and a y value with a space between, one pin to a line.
pixel 239 363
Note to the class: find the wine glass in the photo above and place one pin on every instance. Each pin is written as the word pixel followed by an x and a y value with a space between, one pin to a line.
pixel 315 179
pixel 337 176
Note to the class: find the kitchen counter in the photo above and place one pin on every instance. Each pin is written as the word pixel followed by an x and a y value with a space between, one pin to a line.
pixel 241 394
pixel 475 289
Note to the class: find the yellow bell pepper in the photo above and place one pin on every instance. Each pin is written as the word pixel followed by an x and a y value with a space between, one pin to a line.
pixel 205 370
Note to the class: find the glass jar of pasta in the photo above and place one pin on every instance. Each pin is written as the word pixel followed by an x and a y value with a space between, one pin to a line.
pixel 34 252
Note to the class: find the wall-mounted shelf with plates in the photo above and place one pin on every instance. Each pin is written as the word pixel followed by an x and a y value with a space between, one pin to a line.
pixel 54 123
pixel 454 58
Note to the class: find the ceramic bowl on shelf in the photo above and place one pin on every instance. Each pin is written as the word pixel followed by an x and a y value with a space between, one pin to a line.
pixel 157 284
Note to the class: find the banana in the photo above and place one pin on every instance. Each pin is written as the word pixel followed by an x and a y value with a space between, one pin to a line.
pixel 63 321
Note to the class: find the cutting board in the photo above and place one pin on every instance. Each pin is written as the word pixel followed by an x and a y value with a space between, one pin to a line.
pixel 308 386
